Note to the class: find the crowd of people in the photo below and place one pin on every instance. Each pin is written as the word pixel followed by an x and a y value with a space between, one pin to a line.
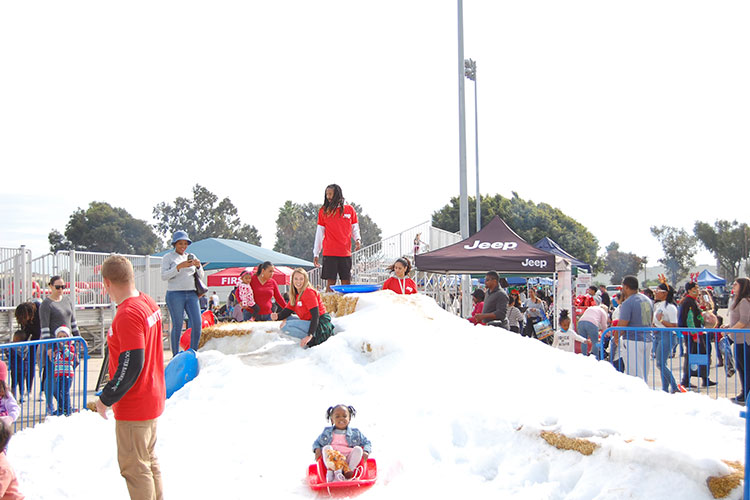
pixel 658 315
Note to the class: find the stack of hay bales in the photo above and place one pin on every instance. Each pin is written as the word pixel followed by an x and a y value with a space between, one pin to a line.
pixel 338 304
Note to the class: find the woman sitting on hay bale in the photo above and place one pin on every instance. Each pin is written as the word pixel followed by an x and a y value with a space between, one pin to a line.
pixel 313 325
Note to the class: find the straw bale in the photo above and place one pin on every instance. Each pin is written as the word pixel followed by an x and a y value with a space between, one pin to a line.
pixel 338 304
pixel 228 329
pixel 722 486
pixel 562 442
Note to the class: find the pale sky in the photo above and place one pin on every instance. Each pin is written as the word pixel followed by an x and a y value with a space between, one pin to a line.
pixel 622 114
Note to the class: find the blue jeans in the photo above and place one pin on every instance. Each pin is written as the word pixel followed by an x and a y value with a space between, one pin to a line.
pixel 295 327
pixel 663 345
pixel 62 394
pixel 590 331
pixel 48 378
pixel 179 302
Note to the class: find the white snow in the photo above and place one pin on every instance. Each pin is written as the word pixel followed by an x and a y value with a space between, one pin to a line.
pixel 451 409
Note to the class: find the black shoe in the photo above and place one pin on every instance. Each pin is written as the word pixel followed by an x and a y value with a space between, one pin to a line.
pixel 738 400
pixel 709 383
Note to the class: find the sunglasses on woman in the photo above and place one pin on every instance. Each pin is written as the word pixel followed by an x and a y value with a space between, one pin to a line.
pixel 59 287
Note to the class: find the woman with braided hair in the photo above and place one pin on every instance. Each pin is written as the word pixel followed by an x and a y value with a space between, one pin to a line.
pixel 337 225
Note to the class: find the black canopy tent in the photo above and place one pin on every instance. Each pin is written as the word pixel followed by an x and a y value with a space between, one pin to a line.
pixel 496 247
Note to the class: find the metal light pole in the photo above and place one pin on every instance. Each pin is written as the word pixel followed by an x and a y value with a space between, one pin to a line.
pixel 470 67
pixel 464 198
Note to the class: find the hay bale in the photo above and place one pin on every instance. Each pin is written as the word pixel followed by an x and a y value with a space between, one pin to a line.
pixel 562 442
pixel 330 301
pixel 220 330
pixel 722 486
pixel 338 304
pixel 347 304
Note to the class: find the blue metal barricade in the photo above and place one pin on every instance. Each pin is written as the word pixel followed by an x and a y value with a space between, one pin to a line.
pixel 695 346
pixel 47 377
pixel 668 357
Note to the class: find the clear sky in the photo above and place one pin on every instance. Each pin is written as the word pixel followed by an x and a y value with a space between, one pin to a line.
pixel 622 114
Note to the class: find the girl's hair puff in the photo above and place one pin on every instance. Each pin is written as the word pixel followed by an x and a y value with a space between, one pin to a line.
pixel 564 314
pixel 349 408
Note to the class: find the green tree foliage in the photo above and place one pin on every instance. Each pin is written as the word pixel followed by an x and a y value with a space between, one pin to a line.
pixel 203 216
pixel 530 221
pixel 296 225
pixel 679 248
pixel 103 228
pixel 621 264
pixel 728 241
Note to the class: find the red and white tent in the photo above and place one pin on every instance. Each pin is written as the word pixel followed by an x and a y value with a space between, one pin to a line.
pixel 282 275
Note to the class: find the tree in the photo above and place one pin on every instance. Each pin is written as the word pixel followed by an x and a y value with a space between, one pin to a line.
pixel 621 264
pixel 679 249
pixel 103 228
pixel 296 226
pixel 728 241
pixel 530 221
pixel 203 216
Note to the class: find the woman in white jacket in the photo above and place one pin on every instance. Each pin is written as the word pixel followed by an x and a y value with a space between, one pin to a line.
pixel 178 269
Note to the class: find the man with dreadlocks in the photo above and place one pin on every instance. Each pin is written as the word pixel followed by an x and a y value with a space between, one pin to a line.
pixel 337 224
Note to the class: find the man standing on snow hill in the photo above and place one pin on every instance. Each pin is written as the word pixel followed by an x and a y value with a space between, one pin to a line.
pixel 136 389
pixel 337 223
pixel 495 307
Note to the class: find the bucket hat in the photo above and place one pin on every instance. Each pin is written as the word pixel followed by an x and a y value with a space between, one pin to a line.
pixel 180 235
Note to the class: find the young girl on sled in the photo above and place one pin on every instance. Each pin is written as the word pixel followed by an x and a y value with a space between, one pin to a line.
pixel 342 447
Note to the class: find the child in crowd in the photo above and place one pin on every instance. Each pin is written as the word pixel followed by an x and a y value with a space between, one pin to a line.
pixel 9 409
pixel 245 296
pixel 477 296
pixel 565 336
pixel 341 439
pixel 19 364
pixel 8 480
pixel 64 359
pixel 400 283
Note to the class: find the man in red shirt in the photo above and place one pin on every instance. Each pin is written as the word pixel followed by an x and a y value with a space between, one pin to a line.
pixel 136 389
pixel 337 224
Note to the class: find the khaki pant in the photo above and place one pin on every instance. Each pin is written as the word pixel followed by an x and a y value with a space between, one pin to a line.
pixel 138 463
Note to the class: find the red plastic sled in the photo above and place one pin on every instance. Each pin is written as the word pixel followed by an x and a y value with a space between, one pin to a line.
pixel 316 477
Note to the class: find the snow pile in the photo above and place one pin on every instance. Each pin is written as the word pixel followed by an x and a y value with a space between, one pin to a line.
pixel 451 409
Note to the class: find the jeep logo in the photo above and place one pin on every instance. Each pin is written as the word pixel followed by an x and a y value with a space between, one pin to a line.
pixel 497 245
pixel 534 263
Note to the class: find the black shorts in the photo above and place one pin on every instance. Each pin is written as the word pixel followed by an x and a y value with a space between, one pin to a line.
pixel 333 266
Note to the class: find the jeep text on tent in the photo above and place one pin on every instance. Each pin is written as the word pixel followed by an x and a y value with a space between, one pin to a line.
pixel 497 245
pixel 534 263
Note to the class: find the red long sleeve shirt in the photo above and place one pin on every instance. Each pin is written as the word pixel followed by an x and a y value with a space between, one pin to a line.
pixel 263 292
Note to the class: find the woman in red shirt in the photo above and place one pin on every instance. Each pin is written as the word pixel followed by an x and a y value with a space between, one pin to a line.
pixel 401 283
pixel 313 324
pixel 264 288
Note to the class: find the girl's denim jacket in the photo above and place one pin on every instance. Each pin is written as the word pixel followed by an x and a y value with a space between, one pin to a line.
pixel 353 438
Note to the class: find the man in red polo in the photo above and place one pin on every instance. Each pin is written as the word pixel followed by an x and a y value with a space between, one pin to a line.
pixel 136 389
pixel 337 224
